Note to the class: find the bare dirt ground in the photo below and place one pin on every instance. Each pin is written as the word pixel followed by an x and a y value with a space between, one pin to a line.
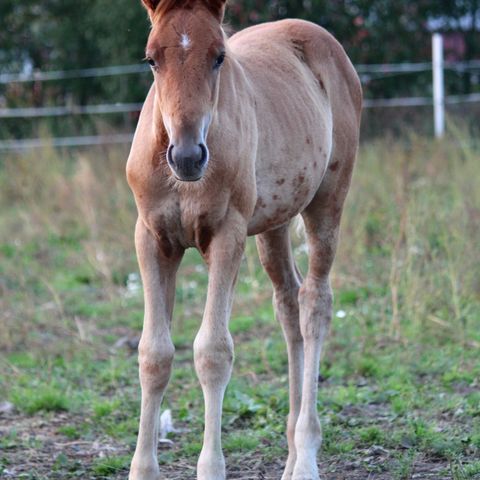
pixel 46 454
pixel 400 375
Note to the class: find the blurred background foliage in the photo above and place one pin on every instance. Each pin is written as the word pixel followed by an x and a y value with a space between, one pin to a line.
pixel 71 34
pixel 400 375
pixel 54 35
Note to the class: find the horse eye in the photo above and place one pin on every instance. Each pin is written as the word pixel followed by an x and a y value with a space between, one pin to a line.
pixel 219 60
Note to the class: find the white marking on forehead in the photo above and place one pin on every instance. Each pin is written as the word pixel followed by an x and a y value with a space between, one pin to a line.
pixel 185 41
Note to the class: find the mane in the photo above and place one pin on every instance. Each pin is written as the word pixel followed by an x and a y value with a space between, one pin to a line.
pixel 215 7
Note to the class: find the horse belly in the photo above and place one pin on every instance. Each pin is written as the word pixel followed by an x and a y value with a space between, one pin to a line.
pixel 291 164
pixel 284 192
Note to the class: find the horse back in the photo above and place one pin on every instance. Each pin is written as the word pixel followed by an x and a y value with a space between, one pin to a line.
pixel 306 90
pixel 278 44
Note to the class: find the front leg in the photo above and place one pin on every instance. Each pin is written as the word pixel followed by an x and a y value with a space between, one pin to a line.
pixel 158 266
pixel 213 346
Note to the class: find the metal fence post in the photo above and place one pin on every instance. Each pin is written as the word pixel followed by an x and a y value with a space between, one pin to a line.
pixel 438 85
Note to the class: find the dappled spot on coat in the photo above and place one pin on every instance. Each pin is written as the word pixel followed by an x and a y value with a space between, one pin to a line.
pixel 299 180
pixel 261 203
pixel 334 166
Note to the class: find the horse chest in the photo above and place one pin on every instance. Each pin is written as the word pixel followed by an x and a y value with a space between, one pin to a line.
pixel 183 221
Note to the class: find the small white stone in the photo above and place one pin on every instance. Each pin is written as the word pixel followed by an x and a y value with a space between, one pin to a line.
pixel 134 285
pixel 166 425
pixel 341 314
pixel 6 408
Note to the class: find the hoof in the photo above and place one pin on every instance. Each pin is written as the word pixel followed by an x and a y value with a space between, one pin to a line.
pixel 206 473
pixel 306 476
pixel 305 471
pixel 288 472
pixel 211 466
pixel 138 472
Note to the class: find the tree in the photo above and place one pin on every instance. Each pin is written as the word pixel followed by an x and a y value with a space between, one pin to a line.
pixel 66 35
pixel 71 34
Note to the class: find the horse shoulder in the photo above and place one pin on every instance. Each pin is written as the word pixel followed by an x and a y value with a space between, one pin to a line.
pixel 145 161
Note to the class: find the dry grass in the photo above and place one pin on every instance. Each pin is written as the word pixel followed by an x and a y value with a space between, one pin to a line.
pixel 411 228
pixel 401 365
pixel 412 223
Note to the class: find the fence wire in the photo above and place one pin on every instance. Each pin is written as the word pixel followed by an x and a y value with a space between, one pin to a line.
pixel 69 110
pixel 383 68
pixel 72 74
pixel 85 140
pixel 366 71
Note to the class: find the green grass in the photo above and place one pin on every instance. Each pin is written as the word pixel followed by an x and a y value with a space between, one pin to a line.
pixel 110 465
pixel 400 371
pixel 47 398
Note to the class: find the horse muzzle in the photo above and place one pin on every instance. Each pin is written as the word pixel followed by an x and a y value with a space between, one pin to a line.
pixel 188 162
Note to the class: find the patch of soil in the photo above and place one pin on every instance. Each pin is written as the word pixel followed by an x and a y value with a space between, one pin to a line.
pixel 33 446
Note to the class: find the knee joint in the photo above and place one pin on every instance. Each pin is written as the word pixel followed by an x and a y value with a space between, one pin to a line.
pixel 155 365
pixel 213 358
pixel 286 298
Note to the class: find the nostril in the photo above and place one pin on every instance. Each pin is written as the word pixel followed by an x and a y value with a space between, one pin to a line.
pixel 187 160
pixel 170 155
pixel 204 155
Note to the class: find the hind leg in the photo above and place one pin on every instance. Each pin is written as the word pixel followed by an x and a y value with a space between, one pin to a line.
pixel 322 219
pixel 276 256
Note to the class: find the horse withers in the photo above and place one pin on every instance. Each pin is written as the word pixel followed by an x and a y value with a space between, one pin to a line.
pixel 237 136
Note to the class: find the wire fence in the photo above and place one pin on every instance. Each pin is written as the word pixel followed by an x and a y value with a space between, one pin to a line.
pixel 136 107
pixel 69 110
pixel 387 68
pixel 366 72
pixel 60 142
pixel 72 74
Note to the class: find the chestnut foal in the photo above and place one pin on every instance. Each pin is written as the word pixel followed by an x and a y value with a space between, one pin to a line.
pixel 279 107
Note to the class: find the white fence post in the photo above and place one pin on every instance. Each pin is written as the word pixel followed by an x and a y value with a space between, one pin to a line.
pixel 438 85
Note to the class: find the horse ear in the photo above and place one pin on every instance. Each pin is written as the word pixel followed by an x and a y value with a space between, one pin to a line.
pixel 217 7
pixel 150 5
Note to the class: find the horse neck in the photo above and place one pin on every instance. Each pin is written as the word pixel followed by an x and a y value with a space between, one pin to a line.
pixel 235 91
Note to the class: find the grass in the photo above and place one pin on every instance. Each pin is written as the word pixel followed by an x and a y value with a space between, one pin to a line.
pixel 399 386
pixel 47 398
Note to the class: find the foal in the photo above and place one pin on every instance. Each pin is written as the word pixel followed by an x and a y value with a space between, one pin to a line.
pixel 279 107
